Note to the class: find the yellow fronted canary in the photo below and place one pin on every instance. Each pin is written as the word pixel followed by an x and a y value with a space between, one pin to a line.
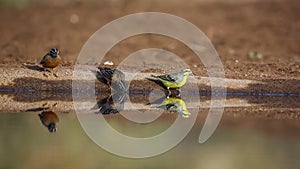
pixel 174 104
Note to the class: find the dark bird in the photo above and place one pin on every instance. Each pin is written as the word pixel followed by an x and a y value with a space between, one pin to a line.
pixel 112 104
pixel 113 78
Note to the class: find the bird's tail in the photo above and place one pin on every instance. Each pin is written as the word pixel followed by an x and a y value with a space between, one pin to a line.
pixel 40 116
pixel 154 76
pixel 153 105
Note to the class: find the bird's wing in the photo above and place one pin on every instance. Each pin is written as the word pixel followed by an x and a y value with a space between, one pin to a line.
pixel 106 72
pixel 119 74
pixel 170 77
pixel 99 104
pixel 109 73
pixel 172 107
pixel 44 58
pixel 174 77
pixel 120 86
pixel 122 98
pixel 161 106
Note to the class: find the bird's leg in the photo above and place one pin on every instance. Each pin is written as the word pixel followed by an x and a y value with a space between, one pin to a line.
pixel 55 74
pixel 169 92
pixel 179 92
pixel 54 105
pixel 51 70
pixel 45 106
pixel 46 72
pixel 107 81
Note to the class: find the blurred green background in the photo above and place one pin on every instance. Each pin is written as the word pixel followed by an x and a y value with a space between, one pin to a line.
pixel 26 143
pixel 22 3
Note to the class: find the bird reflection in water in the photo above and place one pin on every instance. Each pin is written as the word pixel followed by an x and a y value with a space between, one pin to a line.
pixel 112 104
pixel 50 120
pixel 173 104
pixel 115 79
pixel 47 117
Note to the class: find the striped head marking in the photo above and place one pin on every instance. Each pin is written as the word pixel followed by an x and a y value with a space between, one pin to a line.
pixel 187 72
pixel 54 52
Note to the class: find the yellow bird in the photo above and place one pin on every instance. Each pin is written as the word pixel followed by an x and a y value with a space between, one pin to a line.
pixel 174 80
pixel 174 104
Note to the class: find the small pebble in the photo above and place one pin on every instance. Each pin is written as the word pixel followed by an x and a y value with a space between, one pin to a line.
pixel 251 55
pixel 231 51
pixel 259 56
pixel 74 19
pixel 255 55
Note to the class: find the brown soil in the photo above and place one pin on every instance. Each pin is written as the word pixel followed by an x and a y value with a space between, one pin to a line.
pixel 235 29
pixel 271 28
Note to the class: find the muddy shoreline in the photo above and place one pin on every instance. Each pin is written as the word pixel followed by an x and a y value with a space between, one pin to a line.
pixel 23 88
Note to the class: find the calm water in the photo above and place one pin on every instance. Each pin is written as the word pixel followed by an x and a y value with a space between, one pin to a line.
pixel 26 143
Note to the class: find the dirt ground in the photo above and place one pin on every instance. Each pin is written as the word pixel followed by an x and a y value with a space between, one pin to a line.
pixel 235 29
pixel 271 28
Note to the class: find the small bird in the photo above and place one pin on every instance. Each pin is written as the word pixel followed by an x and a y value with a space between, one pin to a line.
pixel 112 104
pixel 51 59
pixel 113 78
pixel 50 120
pixel 174 104
pixel 111 74
pixel 174 80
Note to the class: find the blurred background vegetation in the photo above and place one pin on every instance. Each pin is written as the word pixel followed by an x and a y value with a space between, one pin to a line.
pixel 23 3
pixel 27 144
